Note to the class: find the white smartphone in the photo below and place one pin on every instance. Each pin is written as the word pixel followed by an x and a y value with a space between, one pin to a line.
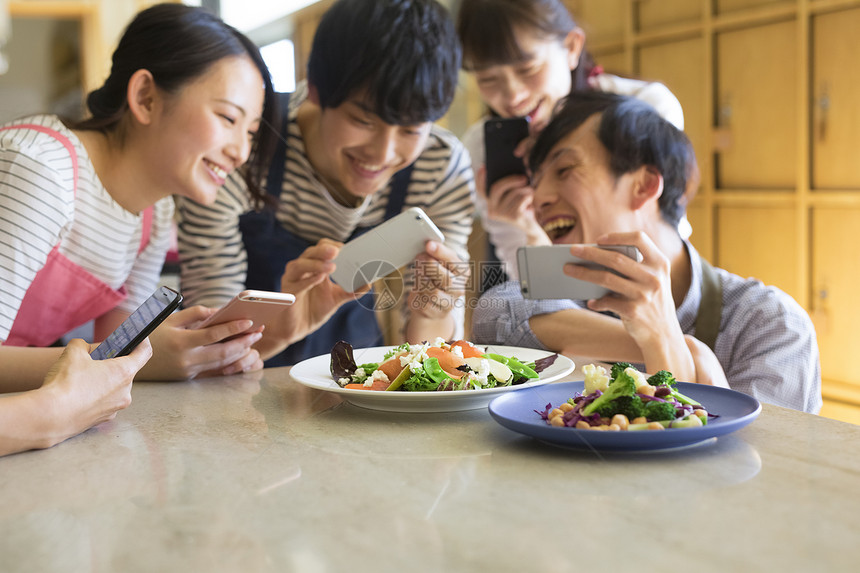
pixel 383 249
pixel 542 272
pixel 139 324
pixel 255 305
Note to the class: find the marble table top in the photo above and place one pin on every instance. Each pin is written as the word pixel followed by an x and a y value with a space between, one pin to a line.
pixel 259 473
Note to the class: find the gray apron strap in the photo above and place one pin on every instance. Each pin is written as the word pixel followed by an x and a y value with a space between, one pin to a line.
pixel 711 307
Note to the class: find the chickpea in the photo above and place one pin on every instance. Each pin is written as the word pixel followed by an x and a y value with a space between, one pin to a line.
pixel 613 428
pixel 655 426
pixel 566 407
pixel 582 425
pixel 639 420
pixel 557 421
pixel 700 413
pixel 620 420
pixel 555 412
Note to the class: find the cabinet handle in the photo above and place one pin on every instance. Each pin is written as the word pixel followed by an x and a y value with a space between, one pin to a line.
pixel 823 104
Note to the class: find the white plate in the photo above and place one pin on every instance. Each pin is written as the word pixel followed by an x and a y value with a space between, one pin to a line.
pixel 316 373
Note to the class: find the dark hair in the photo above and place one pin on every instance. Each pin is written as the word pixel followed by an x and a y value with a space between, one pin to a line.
pixel 403 54
pixel 178 44
pixel 634 134
pixel 486 29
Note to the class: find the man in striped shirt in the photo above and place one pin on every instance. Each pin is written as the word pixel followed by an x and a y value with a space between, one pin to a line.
pixel 359 146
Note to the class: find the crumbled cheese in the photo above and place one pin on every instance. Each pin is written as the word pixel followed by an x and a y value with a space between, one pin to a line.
pixel 438 342
pixel 377 375
pixel 482 372
pixel 359 372
pixel 343 381
pixel 457 351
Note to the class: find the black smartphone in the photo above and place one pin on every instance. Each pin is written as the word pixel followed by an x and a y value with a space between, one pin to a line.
pixel 501 138
pixel 139 324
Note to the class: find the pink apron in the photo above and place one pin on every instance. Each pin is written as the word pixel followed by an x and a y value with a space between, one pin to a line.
pixel 63 295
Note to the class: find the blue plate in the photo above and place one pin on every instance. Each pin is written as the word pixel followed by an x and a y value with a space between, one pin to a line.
pixel 516 411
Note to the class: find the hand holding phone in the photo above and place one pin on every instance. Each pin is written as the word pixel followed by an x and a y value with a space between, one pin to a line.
pixel 541 270
pixel 139 324
pixel 384 248
pixel 501 137
pixel 254 305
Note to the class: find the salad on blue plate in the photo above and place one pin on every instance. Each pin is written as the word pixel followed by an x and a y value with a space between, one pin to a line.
pixel 625 400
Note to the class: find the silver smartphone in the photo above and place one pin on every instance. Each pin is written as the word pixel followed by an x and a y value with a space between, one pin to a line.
pixel 384 248
pixel 542 272
pixel 139 324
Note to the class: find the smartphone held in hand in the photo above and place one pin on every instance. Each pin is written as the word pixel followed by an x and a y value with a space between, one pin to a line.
pixel 139 324
pixel 501 138
pixel 542 275
pixel 384 249
pixel 254 305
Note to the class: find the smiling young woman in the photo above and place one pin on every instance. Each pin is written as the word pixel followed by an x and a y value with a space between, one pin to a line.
pixel 89 204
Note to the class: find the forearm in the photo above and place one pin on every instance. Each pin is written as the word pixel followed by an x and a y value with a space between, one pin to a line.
pixel 669 351
pixel 25 368
pixel 25 423
pixel 580 332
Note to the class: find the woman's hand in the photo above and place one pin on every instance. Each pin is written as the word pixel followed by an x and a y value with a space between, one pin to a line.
pixel 182 351
pixel 79 392
pixel 511 201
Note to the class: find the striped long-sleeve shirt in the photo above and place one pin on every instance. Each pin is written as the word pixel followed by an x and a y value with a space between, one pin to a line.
pixel 213 258
pixel 39 210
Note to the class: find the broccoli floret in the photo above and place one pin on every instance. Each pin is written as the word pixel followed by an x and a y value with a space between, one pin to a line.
pixel 617 369
pixel 630 406
pixel 662 378
pixel 659 411
pixel 622 385
pixel 665 378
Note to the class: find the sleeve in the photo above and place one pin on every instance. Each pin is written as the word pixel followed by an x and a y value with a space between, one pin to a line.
pixel 774 356
pixel 450 207
pixel 36 205
pixel 212 256
pixel 505 238
pixel 502 316
pixel 664 101
pixel 145 274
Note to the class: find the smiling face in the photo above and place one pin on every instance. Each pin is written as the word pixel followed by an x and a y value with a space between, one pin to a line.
pixel 355 152
pixel 205 131
pixel 531 87
pixel 577 197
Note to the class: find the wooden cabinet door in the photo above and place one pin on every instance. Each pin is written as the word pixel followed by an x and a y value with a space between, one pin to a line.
pixel 726 6
pixel 757 107
pixel 835 86
pixel 835 280
pixel 678 66
pixel 656 13
pixel 759 242
pixel 602 20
